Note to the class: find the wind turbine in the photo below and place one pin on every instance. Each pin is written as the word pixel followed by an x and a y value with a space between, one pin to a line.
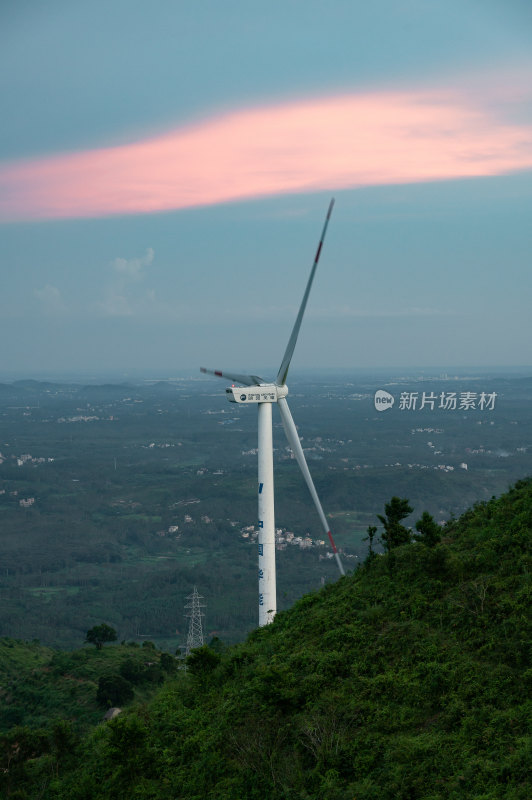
pixel 264 394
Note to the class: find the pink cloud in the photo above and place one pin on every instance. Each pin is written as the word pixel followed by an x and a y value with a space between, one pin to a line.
pixel 322 144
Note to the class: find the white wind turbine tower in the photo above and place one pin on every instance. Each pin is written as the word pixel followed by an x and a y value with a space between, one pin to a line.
pixel 264 394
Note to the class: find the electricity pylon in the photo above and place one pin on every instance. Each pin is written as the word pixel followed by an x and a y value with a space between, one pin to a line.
pixel 195 626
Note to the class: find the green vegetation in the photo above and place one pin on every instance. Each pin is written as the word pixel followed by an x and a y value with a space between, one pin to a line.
pixel 39 685
pixel 427 531
pixel 405 680
pixel 394 533
pixel 100 634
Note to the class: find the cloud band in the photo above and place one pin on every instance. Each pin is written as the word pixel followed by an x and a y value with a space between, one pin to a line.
pixel 341 142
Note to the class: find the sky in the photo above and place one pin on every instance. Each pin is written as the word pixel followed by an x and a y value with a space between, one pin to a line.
pixel 166 168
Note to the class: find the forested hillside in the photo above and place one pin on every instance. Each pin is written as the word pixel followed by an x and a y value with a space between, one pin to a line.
pixel 40 687
pixel 406 679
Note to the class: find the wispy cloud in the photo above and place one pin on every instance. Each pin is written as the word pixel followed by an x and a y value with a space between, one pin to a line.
pixel 321 144
pixel 133 267
pixel 122 297
pixel 50 299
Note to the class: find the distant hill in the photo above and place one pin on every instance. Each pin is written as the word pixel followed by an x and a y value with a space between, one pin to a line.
pixel 32 386
pixel 404 680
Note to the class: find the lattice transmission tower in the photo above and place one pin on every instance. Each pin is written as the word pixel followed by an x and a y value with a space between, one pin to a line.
pixel 195 626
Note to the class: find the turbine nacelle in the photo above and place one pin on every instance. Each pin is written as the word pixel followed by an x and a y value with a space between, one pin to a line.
pixel 265 393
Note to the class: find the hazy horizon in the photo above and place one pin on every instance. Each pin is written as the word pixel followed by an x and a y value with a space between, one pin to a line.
pixel 183 374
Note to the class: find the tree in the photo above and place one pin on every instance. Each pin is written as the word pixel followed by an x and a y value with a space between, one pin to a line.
pixel 18 748
pixel 100 634
pixel 202 661
pixel 394 533
pixel 217 645
pixel 63 741
pixel 372 530
pixel 168 663
pixel 428 531
pixel 132 671
pixel 114 690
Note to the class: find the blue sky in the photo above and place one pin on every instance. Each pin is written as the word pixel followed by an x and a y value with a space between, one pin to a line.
pixel 427 259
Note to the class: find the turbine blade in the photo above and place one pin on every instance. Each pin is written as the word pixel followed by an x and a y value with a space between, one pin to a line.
pixel 294 442
pixel 246 380
pixel 283 369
